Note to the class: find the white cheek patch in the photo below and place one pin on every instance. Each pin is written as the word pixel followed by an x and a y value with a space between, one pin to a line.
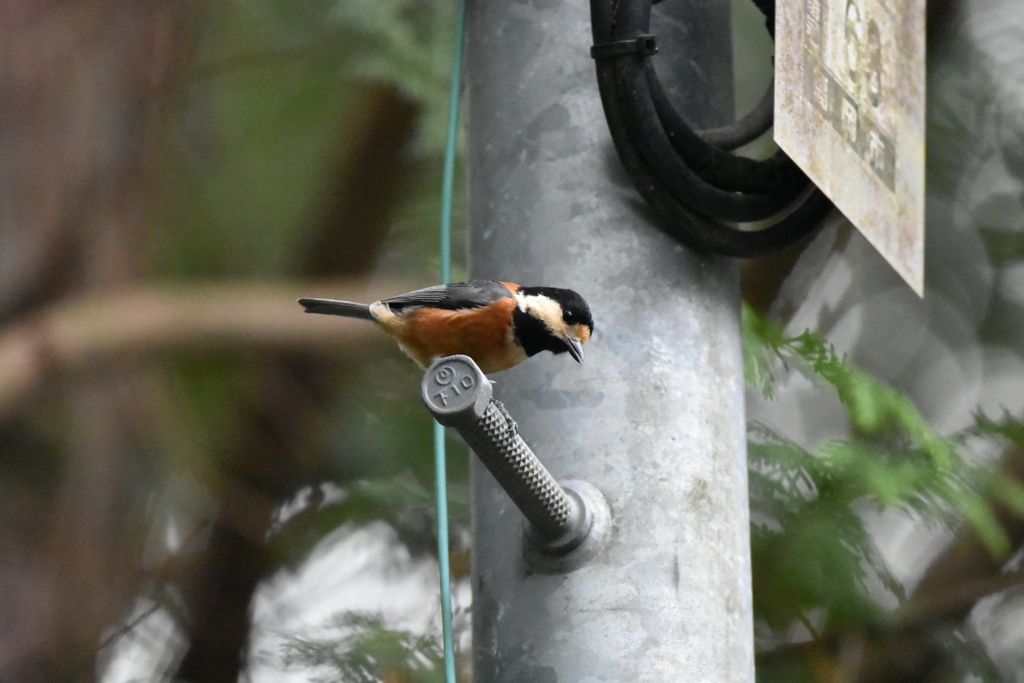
pixel 544 309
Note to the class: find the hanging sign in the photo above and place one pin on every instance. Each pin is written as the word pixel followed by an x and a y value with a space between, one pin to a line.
pixel 849 110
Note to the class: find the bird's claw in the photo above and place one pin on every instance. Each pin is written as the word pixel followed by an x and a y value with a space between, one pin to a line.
pixel 513 428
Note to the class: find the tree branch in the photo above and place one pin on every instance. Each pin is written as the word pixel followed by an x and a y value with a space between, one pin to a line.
pixel 85 333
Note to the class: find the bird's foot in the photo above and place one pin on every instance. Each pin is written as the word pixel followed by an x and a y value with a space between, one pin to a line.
pixel 513 428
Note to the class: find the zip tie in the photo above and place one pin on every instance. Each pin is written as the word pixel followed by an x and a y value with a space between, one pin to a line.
pixel 645 45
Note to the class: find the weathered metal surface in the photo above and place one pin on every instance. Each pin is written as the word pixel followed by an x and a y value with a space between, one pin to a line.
pixel 654 417
pixel 849 109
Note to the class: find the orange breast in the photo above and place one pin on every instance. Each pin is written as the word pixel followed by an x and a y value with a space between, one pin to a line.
pixel 483 334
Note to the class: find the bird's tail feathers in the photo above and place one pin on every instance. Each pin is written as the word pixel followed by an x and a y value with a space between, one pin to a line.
pixel 346 309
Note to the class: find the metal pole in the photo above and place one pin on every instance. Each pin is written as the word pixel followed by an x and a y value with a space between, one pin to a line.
pixel 654 419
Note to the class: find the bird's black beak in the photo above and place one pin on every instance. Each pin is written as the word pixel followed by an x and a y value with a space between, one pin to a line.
pixel 575 348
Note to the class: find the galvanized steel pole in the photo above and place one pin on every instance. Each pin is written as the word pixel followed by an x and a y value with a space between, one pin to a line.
pixel 654 419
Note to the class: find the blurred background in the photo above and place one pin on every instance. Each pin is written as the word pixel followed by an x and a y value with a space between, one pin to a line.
pixel 197 482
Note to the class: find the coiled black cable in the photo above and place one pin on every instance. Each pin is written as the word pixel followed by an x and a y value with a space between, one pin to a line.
pixel 698 189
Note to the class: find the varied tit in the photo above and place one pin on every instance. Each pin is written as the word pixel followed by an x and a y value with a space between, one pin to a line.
pixel 497 324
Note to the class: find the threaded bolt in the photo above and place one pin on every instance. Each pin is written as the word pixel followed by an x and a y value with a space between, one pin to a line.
pixel 458 394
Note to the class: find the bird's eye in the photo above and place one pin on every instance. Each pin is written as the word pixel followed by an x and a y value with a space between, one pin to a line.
pixel 568 316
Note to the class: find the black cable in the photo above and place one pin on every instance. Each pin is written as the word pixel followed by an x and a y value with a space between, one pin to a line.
pixel 753 125
pixel 715 165
pixel 651 141
pixel 697 188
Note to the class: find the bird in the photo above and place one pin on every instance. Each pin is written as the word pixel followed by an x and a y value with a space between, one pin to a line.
pixel 497 324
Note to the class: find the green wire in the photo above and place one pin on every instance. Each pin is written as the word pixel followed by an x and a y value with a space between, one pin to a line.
pixel 440 468
pixel 442 552
pixel 448 180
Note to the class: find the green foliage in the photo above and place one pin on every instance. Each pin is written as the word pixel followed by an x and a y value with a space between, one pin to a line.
pixel 274 105
pixel 811 551
pixel 263 119
pixel 272 122
pixel 406 42
pixel 1003 488
pixel 872 407
pixel 761 343
pixel 367 652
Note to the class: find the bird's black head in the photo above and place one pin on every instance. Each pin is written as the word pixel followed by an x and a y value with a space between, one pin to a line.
pixel 552 319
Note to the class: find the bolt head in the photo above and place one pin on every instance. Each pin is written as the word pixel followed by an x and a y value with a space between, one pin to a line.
pixel 455 390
